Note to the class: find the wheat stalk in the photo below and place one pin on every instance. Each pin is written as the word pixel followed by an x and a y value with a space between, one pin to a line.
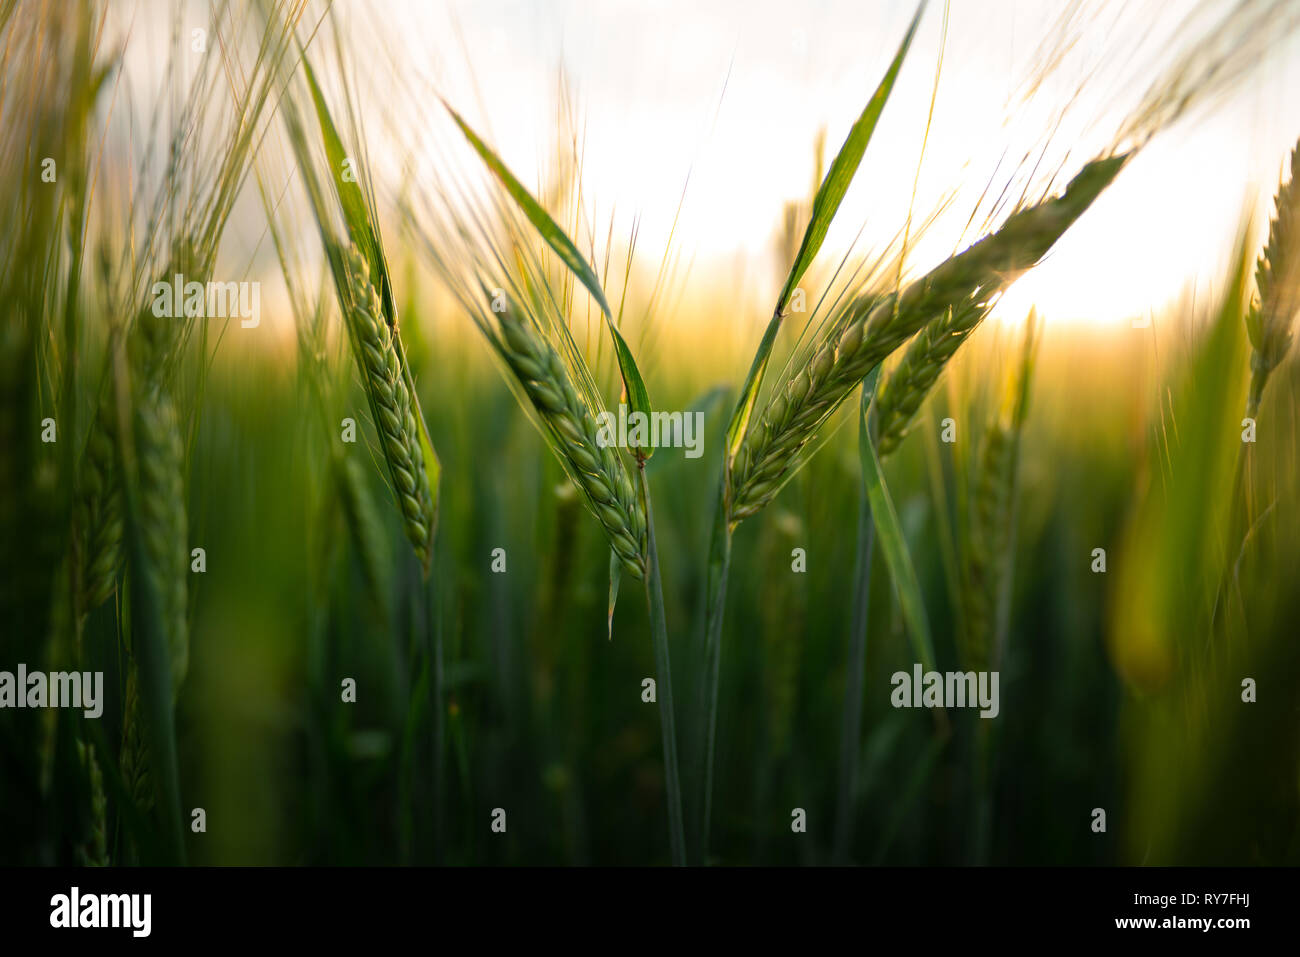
pixel 93 852
pixel 992 517
pixel 161 457
pixel 597 470
pixel 873 325
pixel 133 759
pixel 392 405
pixel 1268 322
pixel 987 575
pixel 986 552
pixel 916 373
pixel 98 516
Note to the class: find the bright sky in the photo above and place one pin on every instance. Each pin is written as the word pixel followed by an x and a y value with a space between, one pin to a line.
pixel 731 94
pixel 648 81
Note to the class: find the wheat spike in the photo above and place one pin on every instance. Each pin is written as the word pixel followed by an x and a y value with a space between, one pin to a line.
pixel 161 454
pixel 154 341
pixel 916 373
pixel 992 518
pixel 393 407
pixel 986 552
pixel 93 852
pixel 133 759
pixel 598 471
pixel 98 517
pixel 1268 322
pixel 873 326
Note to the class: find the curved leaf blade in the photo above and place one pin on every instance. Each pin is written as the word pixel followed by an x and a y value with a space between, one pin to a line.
pixel 555 237
pixel 356 214
pixel 831 193
pixel 825 205
pixel 364 234
pixel 890 534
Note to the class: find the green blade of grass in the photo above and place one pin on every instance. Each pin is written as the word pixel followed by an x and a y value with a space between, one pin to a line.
pixel 831 192
pixel 706 718
pixel 654 594
pixel 851 717
pixel 615 576
pixel 555 237
pixel 892 543
pixel 356 214
pixel 825 205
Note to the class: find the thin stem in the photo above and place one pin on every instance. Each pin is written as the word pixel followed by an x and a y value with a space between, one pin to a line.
pixel 433 633
pixel 664 692
pixel 982 768
pixel 851 725
pixel 719 567
pixel 1239 521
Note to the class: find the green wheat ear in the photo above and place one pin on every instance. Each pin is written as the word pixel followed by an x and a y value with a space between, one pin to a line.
pixel 915 375
pixel 394 407
pixel 93 851
pixel 990 542
pixel 161 454
pixel 133 759
pixel 97 516
pixel 1277 275
pixel 597 470
pixel 873 326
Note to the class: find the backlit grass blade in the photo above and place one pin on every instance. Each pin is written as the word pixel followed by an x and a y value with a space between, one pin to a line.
pixel 654 594
pixel 851 718
pixel 637 397
pixel 356 214
pixel 615 576
pixel 831 192
pixel 894 546
pixel 825 205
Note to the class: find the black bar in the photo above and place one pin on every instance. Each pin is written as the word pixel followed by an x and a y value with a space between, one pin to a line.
pixel 443 906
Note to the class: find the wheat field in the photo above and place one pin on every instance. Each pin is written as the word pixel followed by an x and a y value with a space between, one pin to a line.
pixel 350 413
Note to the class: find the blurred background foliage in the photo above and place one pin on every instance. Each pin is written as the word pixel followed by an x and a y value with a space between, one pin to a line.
pixel 542 714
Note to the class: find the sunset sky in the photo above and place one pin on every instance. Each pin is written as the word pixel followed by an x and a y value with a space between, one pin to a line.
pixel 731 94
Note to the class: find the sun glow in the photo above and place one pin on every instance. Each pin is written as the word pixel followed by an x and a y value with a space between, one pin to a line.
pixel 705 136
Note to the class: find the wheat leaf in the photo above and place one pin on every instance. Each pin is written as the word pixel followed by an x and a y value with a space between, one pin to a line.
pixel 637 396
pixel 890 534
pixel 615 576
pixel 825 205
pixel 356 215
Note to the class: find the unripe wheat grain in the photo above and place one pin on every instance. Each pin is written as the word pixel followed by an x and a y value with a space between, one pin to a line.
pixel 598 470
pixel 872 326
pixel 393 406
